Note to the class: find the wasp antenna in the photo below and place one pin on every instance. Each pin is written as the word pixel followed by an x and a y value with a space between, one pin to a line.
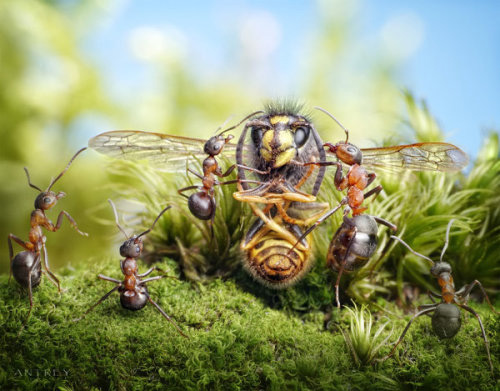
pixel 29 181
pixel 412 250
pixel 154 222
pixel 448 229
pixel 243 120
pixel 336 120
pixel 66 169
pixel 116 218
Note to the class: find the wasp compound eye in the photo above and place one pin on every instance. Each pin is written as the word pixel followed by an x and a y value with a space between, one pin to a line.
pixel 301 136
pixel 256 135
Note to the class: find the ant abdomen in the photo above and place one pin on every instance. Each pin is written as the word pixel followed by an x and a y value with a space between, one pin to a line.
pixel 356 237
pixel 201 205
pixel 446 320
pixel 134 300
pixel 21 266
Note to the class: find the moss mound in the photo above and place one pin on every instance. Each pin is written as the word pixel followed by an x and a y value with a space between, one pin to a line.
pixel 236 341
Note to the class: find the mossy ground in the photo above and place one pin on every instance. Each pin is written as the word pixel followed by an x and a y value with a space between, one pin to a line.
pixel 237 340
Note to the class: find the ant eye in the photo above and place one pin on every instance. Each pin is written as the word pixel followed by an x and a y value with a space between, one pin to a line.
pixel 46 200
pixel 137 249
pixel 301 136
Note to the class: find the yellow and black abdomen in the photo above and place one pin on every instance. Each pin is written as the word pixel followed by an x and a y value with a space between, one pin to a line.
pixel 269 258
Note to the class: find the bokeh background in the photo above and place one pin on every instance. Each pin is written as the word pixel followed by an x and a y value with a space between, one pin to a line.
pixel 72 69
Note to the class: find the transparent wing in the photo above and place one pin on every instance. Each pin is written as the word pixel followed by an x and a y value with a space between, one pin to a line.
pixel 416 157
pixel 166 152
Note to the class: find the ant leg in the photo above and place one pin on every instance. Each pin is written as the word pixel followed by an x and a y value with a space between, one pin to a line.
pixel 371 178
pixel 228 171
pixel 433 295
pixel 251 169
pixel 99 302
pixel 166 316
pixel 373 192
pixel 46 263
pixel 423 312
pixel 71 221
pixel 238 181
pixel 464 293
pixel 181 191
pixel 195 173
pixel 105 278
pixel 486 343
pixel 30 291
pixel 319 221
pixel 352 235
pixel 385 222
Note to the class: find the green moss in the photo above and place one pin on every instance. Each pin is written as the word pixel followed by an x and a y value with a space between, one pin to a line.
pixel 236 341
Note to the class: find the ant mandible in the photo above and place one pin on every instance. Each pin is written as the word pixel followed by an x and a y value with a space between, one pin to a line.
pixel 26 265
pixel 446 318
pixel 133 291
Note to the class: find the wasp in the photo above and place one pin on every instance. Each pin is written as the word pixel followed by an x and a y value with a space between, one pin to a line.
pixel 446 320
pixel 273 148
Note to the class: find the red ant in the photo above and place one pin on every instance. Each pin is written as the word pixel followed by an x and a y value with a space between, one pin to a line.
pixel 133 291
pixel 26 265
pixel 446 318
pixel 202 203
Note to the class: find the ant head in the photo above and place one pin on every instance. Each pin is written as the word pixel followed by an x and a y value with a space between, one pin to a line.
pixel 132 247
pixel 215 144
pixel 346 152
pixel 47 199
pixel 439 268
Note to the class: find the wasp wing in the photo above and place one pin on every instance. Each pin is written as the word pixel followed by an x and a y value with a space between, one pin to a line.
pixel 164 151
pixel 416 157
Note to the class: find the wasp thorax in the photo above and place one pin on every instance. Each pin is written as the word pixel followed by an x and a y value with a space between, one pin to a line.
pixel 134 299
pixel 439 268
pixel 131 248
pixel 201 205
pixel 348 153
pixel 21 266
pixel 446 320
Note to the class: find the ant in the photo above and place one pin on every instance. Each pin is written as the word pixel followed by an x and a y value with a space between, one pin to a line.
pixel 26 265
pixel 202 203
pixel 133 291
pixel 446 318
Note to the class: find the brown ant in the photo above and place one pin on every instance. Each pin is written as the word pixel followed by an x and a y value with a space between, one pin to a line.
pixel 202 203
pixel 133 291
pixel 446 318
pixel 26 266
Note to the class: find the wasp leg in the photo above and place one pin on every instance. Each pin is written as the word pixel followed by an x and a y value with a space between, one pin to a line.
pixel 165 315
pixel 486 343
pixel 423 312
pixel 100 300
pixel 464 293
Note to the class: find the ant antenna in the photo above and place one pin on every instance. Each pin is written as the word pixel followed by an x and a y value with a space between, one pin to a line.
pixel 239 123
pixel 412 250
pixel 223 124
pixel 448 229
pixel 66 169
pixel 29 181
pixel 154 222
pixel 336 120
pixel 116 218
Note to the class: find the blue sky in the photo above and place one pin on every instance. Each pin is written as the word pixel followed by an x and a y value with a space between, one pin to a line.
pixel 453 59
